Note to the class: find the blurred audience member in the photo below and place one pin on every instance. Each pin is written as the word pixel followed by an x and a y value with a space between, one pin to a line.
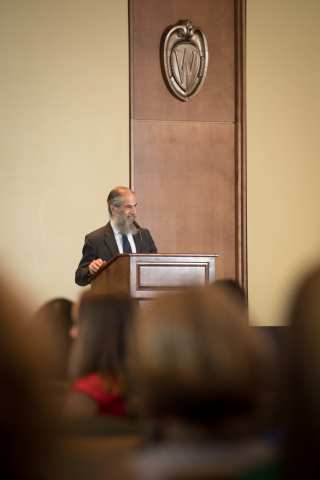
pixel 53 322
pixel 203 372
pixel 234 290
pixel 98 355
pixel 302 453
pixel 276 335
pixel 24 418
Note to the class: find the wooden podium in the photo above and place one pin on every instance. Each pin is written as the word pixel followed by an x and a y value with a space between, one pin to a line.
pixel 145 276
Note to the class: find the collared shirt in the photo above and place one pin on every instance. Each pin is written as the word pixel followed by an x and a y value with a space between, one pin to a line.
pixel 118 237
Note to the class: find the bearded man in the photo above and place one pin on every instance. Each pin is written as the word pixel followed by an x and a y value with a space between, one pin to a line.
pixel 120 235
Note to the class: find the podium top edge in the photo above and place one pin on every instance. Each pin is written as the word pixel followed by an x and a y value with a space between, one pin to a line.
pixel 165 255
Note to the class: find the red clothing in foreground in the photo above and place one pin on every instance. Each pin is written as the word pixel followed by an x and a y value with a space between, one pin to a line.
pixel 94 386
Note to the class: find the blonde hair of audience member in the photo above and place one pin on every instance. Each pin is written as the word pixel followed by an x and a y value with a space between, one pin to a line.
pixel 25 427
pixel 195 359
pixel 103 318
pixel 303 402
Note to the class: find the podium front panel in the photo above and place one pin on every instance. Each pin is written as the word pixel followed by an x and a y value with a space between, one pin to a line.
pixel 152 275
pixel 145 276
pixel 167 276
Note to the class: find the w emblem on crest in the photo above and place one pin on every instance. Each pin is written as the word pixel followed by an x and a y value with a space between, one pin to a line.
pixel 185 60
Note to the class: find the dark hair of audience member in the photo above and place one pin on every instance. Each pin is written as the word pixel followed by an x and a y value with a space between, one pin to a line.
pixel 25 427
pixel 302 446
pixel 99 354
pixel 104 317
pixel 232 288
pixel 195 358
pixel 53 322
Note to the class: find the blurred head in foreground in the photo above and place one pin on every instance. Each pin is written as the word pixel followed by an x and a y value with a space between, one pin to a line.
pixel 103 319
pixel 98 357
pixel 53 322
pixel 303 402
pixel 24 427
pixel 232 288
pixel 197 360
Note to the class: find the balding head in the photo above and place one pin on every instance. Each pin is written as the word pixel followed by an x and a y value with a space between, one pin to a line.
pixel 122 209
pixel 116 195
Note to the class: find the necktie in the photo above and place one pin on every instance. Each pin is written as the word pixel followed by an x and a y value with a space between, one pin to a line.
pixel 126 244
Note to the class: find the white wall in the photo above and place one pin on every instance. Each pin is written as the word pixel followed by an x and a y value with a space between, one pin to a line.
pixel 283 85
pixel 64 133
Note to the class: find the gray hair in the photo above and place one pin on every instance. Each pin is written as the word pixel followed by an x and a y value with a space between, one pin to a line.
pixel 115 197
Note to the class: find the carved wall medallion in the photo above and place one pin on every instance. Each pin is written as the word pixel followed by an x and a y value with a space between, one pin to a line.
pixel 185 58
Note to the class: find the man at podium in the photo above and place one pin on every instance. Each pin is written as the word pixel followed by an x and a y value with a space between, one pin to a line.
pixel 120 235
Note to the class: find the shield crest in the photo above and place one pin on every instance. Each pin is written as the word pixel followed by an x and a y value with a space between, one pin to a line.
pixel 185 58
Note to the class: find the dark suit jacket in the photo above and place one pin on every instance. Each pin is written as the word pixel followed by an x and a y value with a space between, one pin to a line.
pixel 102 244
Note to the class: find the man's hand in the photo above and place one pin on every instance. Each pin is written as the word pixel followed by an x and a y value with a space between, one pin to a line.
pixel 95 265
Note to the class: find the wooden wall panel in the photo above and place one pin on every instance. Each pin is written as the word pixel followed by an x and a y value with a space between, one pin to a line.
pixel 184 180
pixel 188 158
pixel 151 98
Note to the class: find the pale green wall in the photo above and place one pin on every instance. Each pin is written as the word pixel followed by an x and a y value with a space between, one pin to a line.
pixel 64 130
pixel 283 81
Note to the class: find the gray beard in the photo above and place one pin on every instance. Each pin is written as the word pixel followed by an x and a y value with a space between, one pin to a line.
pixel 123 225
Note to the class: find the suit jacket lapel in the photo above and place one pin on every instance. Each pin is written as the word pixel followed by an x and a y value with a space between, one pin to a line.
pixel 137 241
pixel 110 239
